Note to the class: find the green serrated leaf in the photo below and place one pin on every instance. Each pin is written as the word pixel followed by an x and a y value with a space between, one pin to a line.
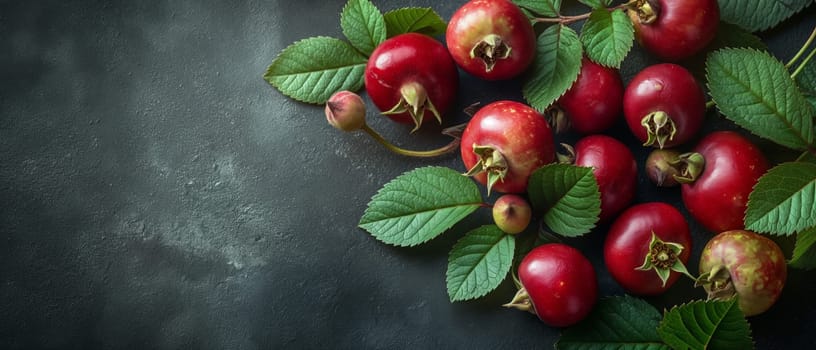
pixel 555 67
pixel 479 262
pixel 783 202
pixel 616 323
pixel 596 4
pixel 757 15
pixel 414 20
pixel 754 90
pixel 363 24
pixel 731 35
pixel 607 37
pixel 419 205
pixel 804 252
pixel 706 325
pixel 311 70
pixel 546 8
pixel 568 197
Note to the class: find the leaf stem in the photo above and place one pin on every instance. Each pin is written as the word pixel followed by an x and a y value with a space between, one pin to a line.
pixel 453 145
pixel 804 63
pixel 802 49
pixel 563 19
pixel 802 156
pixel 571 19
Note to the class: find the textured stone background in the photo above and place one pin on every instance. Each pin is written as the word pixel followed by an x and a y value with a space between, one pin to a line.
pixel 156 193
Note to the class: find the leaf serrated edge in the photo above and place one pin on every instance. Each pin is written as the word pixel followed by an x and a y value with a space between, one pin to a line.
pixel 732 303
pixel 428 11
pixel 525 90
pixel 268 76
pixel 459 243
pixel 360 4
pixel 766 227
pixel 722 51
pixel 470 207
pixel 629 45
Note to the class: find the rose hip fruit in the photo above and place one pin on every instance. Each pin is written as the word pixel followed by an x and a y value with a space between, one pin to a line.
pixel 745 264
pixel 674 30
pixel 558 284
pixel 718 177
pixel 412 78
pixel 614 168
pixel 491 39
pixel 503 143
pixel 594 102
pixel 512 213
pixel 647 248
pixel 664 106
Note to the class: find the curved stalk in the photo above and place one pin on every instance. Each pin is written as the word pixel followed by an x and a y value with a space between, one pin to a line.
pixel 453 145
pixel 802 49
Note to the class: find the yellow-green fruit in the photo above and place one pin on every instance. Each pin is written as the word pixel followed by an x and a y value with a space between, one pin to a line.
pixel 512 213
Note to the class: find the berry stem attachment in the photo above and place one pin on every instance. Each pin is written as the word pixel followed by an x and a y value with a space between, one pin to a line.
pixel 450 147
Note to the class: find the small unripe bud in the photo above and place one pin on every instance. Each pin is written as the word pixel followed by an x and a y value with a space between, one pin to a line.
pixel 346 111
pixel 512 213
pixel 661 167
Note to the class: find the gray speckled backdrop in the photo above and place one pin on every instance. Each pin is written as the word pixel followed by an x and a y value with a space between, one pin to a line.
pixel 155 192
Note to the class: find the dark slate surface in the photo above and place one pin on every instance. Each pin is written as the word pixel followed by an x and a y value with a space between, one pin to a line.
pixel 156 193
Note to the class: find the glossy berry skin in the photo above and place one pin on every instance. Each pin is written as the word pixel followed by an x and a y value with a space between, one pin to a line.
pixel 718 197
pixel 595 101
pixel 680 28
pixel 667 88
pixel 408 59
pixel 754 265
pixel 491 39
pixel 561 283
pixel 512 213
pixel 614 168
pixel 627 245
pixel 518 132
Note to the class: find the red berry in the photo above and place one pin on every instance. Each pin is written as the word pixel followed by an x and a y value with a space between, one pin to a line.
pixel 664 106
pixel 560 284
pixel 721 174
pixel 630 245
pixel 595 101
pixel 503 144
pixel 412 78
pixel 674 30
pixel 491 39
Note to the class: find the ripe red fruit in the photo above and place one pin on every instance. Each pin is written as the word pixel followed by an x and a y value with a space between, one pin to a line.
pixel 674 30
pixel 412 78
pixel 664 106
pixel 503 144
pixel 745 264
pixel 512 213
pixel 647 248
pixel 558 284
pixel 614 168
pixel 491 39
pixel 595 100
pixel 719 175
